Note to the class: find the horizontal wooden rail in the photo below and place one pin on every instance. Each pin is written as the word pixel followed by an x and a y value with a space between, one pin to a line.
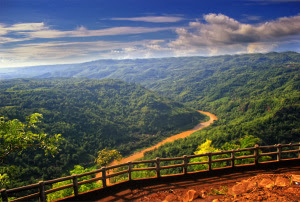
pixel 24 188
pixel 291 151
pixel 58 188
pixel 49 182
pixel 116 174
pixel 142 162
pixel 222 152
pixel 198 163
pixel 89 173
pixel 268 154
pixel 171 159
pixel 143 169
pixel 172 166
pixel 233 156
pixel 245 157
pixel 28 197
pixel 221 160
pixel 90 180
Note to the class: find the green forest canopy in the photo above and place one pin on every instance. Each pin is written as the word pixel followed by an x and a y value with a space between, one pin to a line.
pixel 91 115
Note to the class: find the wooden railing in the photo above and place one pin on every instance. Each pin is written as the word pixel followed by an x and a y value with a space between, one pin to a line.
pixel 233 157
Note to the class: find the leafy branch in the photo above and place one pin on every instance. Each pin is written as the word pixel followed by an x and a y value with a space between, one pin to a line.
pixel 16 136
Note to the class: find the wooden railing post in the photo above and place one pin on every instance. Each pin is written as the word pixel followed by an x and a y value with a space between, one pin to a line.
pixel 232 158
pixel 75 184
pixel 209 161
pixel 278 152
pixel 4 195
pixel 299 153
pixel 157 167
pixel 185 166
pixel 129 170
pixel 42 195
pixel 256 153
pixel 104 177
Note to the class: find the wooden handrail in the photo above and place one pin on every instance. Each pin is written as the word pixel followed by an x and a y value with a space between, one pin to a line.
pixel 231 156
pixel 49 182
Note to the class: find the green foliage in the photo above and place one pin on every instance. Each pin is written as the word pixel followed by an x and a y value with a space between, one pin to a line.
pixel 3 179
pixel 144 173
pixel 106 156
pixel 253 95
pixel 16 136
pixel 222 191
pixel 184 147
pixel 206 147
pixel 69 191
pixel 245 91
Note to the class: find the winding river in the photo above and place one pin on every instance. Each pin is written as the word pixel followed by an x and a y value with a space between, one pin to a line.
pixel 140 154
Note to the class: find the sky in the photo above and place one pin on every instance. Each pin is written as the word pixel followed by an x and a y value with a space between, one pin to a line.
pixel 44 32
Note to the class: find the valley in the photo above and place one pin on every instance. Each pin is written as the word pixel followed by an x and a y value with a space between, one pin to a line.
pixel 130 105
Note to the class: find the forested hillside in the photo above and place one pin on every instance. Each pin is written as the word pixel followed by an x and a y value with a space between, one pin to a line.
pixel 90 115
pixel 253 95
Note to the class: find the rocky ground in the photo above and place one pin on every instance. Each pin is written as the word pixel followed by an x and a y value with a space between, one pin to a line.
pixel 263 187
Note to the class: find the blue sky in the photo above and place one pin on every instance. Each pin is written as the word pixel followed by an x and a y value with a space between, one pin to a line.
pixel 42 32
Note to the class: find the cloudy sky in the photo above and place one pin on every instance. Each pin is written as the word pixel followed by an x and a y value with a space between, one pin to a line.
pixel 39 32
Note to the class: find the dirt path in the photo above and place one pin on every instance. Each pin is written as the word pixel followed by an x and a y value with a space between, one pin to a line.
pixel 140 154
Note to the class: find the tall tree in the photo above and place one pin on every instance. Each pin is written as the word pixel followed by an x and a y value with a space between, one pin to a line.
pixel 16 136
pixel 106 156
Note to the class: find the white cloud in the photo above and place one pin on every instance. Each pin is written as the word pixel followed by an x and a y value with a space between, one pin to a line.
pixel 64 52
pixel 215 34
pixel 155 19
pixel 83 32
pixel 9 39
pixel 27 27
pixel 4 29
pixel 28 31
pixel 220 33
pixel 61 49
pixel 261 47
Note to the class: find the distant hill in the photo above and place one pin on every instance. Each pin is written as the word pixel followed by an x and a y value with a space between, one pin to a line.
pixel 91 115
pixel 31 72
pixel 232 86
pixel 156 72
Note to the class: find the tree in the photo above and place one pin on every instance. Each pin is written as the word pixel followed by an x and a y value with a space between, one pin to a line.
pixel 3 179
pixel 16 136
pixel 106 156
pixel 206 147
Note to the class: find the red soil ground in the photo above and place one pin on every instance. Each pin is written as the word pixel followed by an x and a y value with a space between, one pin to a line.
pixel 260 185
